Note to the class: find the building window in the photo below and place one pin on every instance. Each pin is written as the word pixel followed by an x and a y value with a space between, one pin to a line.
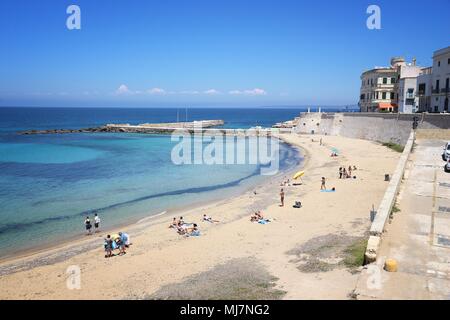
pixel 422 88
pixel 392 96
pixel 439 63
pixel 383 95
pixel 392 80
pixel 384 80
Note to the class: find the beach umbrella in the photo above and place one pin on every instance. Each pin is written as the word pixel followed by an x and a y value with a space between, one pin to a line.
pixel 115 236
pixel 298 175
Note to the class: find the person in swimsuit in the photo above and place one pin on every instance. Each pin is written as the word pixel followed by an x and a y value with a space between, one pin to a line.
pixel 88 225
pixel 323 186
pixel 208 219
pixel 96 223
pixel 282 198
pixel 181 228
pixel 174 223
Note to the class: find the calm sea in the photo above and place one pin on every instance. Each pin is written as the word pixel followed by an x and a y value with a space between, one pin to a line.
pixel 48 183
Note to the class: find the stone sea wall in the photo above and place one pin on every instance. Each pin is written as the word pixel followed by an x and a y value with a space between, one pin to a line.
pixel 370 126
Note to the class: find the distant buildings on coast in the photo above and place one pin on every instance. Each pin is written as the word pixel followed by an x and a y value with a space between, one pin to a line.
pixel 407 88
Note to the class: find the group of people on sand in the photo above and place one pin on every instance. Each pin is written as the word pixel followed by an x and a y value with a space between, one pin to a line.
pixel 119 241
pixel 189 229
pixel 346 173
pixel 258 217
pixel 285 182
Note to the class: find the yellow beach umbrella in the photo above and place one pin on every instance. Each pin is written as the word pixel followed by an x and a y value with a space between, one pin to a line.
pixel 115 236
pixel 298 175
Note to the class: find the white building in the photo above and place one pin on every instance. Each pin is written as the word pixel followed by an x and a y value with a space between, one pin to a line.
pixel 440 92
pixel 406 89
pixel 423 91
pixel 379 88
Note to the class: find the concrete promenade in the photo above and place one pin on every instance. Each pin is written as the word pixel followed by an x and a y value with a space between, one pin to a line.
pixel 418 237
pixel 385 207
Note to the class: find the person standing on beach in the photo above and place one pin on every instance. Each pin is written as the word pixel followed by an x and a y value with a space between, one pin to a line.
pixel 323 187
pixel 96 223
pixel 340 172
pixel 108 246
pixel 282 197
pixel 88 225
pixel 349 171
pixel 125 239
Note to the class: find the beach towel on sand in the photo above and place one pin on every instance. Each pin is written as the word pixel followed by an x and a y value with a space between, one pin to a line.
pixel 328 190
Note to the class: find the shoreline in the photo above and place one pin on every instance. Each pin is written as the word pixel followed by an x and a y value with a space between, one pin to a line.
pixel 153 266
pixel 145 221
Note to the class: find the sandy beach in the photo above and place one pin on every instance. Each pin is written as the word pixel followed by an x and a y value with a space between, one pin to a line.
pixel 304 253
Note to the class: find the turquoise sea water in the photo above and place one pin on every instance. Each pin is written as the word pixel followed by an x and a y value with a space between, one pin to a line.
pixel 49 183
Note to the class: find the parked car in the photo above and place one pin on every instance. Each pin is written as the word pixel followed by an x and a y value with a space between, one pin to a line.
pixel 447 166
pixel 446 153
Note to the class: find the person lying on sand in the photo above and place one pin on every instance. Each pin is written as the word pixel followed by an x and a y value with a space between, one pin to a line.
pixel 209 219
pixel 181 228
pixel 193 231
pixel 256 216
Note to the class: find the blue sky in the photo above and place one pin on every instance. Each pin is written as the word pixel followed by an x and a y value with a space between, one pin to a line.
pixel 206 53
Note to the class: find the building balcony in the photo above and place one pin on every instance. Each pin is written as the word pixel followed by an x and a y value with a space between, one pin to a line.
pixel 435 91
pixel 445 90
pixel 385 85
pixel 410 95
